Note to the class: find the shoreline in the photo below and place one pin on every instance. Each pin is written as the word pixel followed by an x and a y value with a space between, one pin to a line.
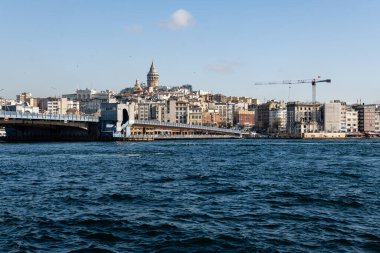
pixel 171 138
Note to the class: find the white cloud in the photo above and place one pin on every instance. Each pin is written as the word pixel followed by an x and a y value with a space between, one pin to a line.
pixel 180 19
pixel 134 29
pixel 223 68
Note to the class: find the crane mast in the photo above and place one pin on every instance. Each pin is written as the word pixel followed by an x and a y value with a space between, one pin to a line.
pixel 313 92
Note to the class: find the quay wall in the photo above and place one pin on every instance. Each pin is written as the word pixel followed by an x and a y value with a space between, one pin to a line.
pixel 324 135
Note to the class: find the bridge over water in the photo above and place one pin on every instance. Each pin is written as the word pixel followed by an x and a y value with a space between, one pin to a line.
pixel 37 126
pixel 25 126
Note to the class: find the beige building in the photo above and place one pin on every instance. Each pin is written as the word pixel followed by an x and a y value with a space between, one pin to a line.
pixel 144 111
pixel 177 111
pixel 24 97
pixel 151 111
pixel 333 116
pixel 195 115
pixel 351 120
pixel 203 105
pixel 248 100
pixel 28 98
pixel 211 118
pixel 159 109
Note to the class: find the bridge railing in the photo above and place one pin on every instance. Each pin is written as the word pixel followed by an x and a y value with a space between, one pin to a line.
pixel 187 126
pixel 42 116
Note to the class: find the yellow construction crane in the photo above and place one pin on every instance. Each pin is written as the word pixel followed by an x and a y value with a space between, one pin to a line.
pixel 312 81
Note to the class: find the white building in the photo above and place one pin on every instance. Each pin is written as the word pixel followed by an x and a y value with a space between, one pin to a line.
pixel 277 119
pixel 340 117
pixel 91 99
pixel 6 102
pixel 241 106
pixel 226 112
pixel 61 106
pixel 22 107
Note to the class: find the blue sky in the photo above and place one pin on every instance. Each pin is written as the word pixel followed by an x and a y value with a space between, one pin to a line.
pixel 50 47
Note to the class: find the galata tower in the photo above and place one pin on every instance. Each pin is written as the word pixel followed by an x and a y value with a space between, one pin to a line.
pixel 152 77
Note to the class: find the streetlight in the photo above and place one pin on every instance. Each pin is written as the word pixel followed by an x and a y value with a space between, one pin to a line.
pixel 1 101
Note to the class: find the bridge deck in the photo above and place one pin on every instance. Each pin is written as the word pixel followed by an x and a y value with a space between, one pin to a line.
pixel 10 115
pixel 186 126
pixel 50 117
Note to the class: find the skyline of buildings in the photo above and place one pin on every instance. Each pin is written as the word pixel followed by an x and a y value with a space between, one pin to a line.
pixel 182 104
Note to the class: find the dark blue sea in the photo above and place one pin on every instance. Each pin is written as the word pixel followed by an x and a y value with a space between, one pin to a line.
pixel 191 196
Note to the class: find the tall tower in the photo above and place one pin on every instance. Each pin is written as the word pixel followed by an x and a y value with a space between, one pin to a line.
pixel 152 77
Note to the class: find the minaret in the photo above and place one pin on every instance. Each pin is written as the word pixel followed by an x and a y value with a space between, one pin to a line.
pixel 137 89
pixel 152 77
pixel 137 85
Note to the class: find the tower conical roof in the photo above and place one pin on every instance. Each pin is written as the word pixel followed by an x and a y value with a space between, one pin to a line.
pixel 152 68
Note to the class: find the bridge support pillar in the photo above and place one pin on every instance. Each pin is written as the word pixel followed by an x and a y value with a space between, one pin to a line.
pixel 115 120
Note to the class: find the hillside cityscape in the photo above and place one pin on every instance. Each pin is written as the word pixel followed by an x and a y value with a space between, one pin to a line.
pixel 182 104
pixel 189 126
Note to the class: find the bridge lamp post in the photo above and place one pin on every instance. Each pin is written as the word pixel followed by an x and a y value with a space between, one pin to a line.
pixel 2 101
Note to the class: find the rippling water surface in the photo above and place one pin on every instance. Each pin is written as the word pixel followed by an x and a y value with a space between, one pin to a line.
pixel 190 196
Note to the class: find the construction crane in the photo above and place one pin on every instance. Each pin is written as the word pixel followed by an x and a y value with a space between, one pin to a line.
pixel 312 81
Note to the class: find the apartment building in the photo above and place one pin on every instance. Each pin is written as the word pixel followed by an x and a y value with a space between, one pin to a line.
pixel 195 115
pixel 351 120
pixel 61 106
pixel 244 118
pixel 262 115
pixel 277 119
pixel 303 118
pixel 177 111
pixel 334 117
pixel 366 117
pixel 226 112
